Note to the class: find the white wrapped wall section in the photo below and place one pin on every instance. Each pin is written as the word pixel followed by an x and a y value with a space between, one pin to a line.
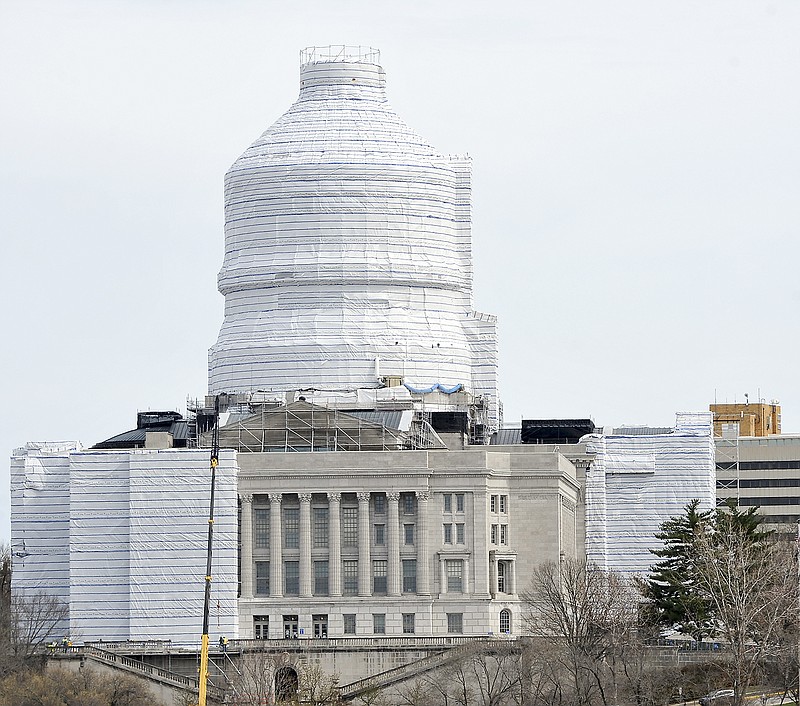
pixel 347 248
pixel 637 482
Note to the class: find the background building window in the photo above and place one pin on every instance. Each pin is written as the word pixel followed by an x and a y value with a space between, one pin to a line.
pixel 503 534
pixel 349 526
pixel 459 502
pixel 291 578
pixel 349 623
pixel 494 534
pixel 504 503
pixel 262 578
pixel 493 503
pixel 455 623
pixel 408 534
pixel 409 575
pixel 505 621
pixel 380 503
pixel 320 578
pixel 261 528
pixel 350 577
pixel 408 503
pixel 460 533
pixel 408 623
pixel 380 535
pixel 261 627
pixel 448 502
pixel 448 533
pixel 291 527
pixel 320 527
pixel 455 572
pixel 379 576
pixel 501 577
pixel 379 623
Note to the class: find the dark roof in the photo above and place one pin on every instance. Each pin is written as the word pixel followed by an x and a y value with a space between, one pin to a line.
pixel 171 422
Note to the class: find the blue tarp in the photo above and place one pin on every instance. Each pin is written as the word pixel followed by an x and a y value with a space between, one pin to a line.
pixel 434 387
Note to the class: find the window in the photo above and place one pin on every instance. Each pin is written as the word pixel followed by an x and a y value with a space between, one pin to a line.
pixel 494 534
pixel 380 503
pixel 261 627
pixel 320 578
pixel 503 534
pixel 290 624
pixel 448 533
pixel 262 578
pixel 349 526
pixel 505 621
pixel 349 623
pixel 501 577
pixel 408 503
pixel 460 533
pixel 291 527
pixel 409 575
pixel 504 503
pixel 291 578
pixel 459 502
pixel 261 528
pixel 320 624
pixel 380 535
pixel 455 571
pixel 493 503
pixel 448 503
pixel 408 534
pixel 379 623
pixel 350 577
pixel 320 527
pixel 455 622
pixel 408 623
pixel 379 576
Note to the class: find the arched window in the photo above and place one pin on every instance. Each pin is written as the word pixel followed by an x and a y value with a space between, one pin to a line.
pixel 286 684
pixel 505 622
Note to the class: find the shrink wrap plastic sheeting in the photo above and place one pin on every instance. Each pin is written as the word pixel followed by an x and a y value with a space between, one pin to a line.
pixel 637 482
pixel 132 543
pixel 348 251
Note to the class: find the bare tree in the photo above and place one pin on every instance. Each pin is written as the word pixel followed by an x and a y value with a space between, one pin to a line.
pixel 753 590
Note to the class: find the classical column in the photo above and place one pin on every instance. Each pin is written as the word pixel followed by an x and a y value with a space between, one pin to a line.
pixel 246 538
pixel 275 546
pixel 364 564
pixel 465 576
pixel 442 575
pixel 393 569
pixel 492 575
pixel 334 544
pixel 305 544
pixel 513 578
pixel 423 557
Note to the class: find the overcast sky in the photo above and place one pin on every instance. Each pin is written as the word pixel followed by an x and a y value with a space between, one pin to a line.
pixel 636 193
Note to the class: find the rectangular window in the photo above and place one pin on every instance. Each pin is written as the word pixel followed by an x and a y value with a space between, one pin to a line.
pixel 320 519
pixel 380 535
pixel 261 627
pixel 501 577
pixel 320 578
pixel 379 623
pixel 408 503
pixel 448 533
pixel 455 572
pixel 291 578
pixel 459 502
pixel 261 528
pixel 494 534
pixel 408 534
pixel 291 527
pixel 448 503
pixel 350 577
pixel 379 576
pixel 460 533
pixel 349 623
pixel 262 578
pixel 409 575
pixel 493 503
pixel 504 504
pixel 408 623
pixel 349 526
pixel 503 534
pixel 380 503
pixel 455 623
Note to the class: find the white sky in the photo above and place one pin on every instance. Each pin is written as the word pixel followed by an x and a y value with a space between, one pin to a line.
pixel 636 192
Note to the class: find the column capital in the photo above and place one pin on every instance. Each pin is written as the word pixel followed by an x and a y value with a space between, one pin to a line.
pixel 363 497
pixel 246 497
pixel 304 497
pixel 394 497
pixel 423 495
pixel 275 497
pixel 334 497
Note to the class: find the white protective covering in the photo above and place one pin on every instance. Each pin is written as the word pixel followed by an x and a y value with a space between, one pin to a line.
pixel 130 549
pixel 348 249
pixel 637 482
